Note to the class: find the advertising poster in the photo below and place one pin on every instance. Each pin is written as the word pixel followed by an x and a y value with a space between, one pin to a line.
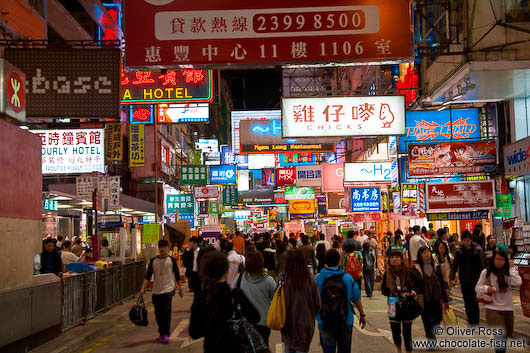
pixel 409 200
pixel 296 193
pixel 206 192
pixel 285 176
pixel 309 175
pixel 256 196
pixel 268 177
pixel 448 158
pixel 504 205
pixel 184 113
pixel 333 177
pixel 223 174
pixel 302 209
pixel 461 196
pixel 365 199
pixel 457 216
pixel 516 158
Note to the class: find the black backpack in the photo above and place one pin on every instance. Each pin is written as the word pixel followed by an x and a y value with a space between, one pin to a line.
pixel 334 302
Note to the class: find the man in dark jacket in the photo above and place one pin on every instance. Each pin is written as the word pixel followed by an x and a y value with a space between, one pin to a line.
pixel 50 259
pixel 468 263
pixel 309 253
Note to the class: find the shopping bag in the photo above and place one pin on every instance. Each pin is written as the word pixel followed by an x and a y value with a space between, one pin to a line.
pixel 138 313
pixel 449 317
pixel 276 313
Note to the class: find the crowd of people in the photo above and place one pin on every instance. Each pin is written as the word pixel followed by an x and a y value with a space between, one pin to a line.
pixel 322 282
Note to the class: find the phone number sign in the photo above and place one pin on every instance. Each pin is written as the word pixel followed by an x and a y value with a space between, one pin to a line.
pixel 213 32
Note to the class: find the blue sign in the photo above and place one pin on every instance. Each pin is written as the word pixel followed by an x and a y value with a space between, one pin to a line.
pixel 223 174
pixel 228 157
pixel 141 114
pixel 433 125
pixel 190 217
pixel 366 199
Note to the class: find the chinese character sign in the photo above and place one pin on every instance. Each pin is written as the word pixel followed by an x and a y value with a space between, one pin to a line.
pixel 461 196
pixel 230 195
pixel 299 193
pixel 193 175
pixel 183 203
pixel 365 199
pixel 206 192
pixel 285 176
pixel 180 33
pixel 72 151
pixel 114 198
pixel 504 205
pixel 114 139
pixel 309 175
pixel 190 217
pixel 223 174
pixel 343 116
pixel 49 205
pixel 409 200
pixel 85 186
pixel 136 146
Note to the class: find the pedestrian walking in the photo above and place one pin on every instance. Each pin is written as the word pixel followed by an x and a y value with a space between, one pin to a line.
pixel 308 252
pixel 321 256
pixel 236 263
pixel 368 269
pixel 281 254
pixel 192 272
pixel 415 243
pixel 302 303
pixel 166 281
pixel 398 283
pixel 443 258
pixel 353 262
pixel 337 291
pixel 431 289
pixel 323 240
pixel 468 264
pixel 259 288
pixel 239 243
pixel 495 286
pixel 212 306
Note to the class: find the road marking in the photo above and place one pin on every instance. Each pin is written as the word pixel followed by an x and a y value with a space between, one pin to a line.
pixel 183 324
pixel 104 340
pixel 279 348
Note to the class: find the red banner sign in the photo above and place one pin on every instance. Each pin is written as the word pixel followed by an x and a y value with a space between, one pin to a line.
pixel 461 196
pixel 447 158
pixel 228 32
pixel 285 176
pixel 366 217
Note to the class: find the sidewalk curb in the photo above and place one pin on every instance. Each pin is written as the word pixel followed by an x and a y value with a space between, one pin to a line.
pixel 90 336
pixel 461 314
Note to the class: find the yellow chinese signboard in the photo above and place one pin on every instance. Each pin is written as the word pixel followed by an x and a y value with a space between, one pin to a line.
pixel 114 142
pixel 136 146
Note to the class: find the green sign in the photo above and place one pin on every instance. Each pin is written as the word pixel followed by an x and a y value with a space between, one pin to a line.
pixel 230 195
pixel 212 207
pixel 296 193
pixel 182 203
pixel 49 205
pixel 151 233
pixel 504 205
pixel 193 175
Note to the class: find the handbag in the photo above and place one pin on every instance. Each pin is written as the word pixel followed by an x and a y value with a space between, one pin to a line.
pixel 486 298
pixel 408 308
pixel 276 314
pixel 138 313
pixel 449 317
pixel 244 332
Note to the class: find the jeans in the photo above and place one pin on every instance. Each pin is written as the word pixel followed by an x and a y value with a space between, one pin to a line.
pixel 265 332
pixel 369 278
pixel 162 303
pixel 407 334
pixel 431 317
pixel 333 342
pixel 470 302
pixel 289 350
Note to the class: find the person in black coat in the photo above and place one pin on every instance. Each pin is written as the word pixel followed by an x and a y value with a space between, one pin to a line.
pixel 50 259
pixel 431 290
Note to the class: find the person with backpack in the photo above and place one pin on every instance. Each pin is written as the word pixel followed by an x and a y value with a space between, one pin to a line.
pixel 353 263
pixel 335 320
pixel 397 283
pixel 302 303
pixel 368 269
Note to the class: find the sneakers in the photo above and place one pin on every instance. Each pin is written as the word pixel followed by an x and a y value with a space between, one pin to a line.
pixel 160 339
pixel 165 339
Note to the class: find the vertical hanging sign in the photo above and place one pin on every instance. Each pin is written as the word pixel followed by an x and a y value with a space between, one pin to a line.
pixel 136 146
pixel 114 137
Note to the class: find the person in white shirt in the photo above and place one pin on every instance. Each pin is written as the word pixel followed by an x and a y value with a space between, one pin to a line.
pixel 67 256
pixel 166 281
pixel 415 243
pixel 362 237
pixel 235 263
pixel 323 241
pixel 494 287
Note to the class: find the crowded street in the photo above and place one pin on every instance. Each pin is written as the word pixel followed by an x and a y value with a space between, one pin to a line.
pixel 264 177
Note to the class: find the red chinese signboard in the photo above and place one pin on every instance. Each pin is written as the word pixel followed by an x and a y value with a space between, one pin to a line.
pixel 461 196
pixel 285 176
pixel 155 87
pixel 227 32
pixel 366 217
pixel 448 158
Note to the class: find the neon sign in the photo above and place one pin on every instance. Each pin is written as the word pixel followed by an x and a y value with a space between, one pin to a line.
pixel 141 114
pixel 108 33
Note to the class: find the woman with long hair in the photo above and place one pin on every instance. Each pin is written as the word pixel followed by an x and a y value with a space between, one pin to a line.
pixel 212 306
pixel 431 289
pixel 443 257
pixel 321 256
pixel 495 285
pixel 302 303
pixel 259 288
pixel 397 281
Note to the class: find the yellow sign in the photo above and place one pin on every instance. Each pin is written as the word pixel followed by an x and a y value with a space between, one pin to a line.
pixel 302 206
pixel 151 233
pixel 136 145
pixel 114 142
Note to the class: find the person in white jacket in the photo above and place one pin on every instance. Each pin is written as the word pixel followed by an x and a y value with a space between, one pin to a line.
pixel 495 288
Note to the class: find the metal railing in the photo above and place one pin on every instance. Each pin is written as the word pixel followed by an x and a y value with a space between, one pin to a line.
pixel 87 294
